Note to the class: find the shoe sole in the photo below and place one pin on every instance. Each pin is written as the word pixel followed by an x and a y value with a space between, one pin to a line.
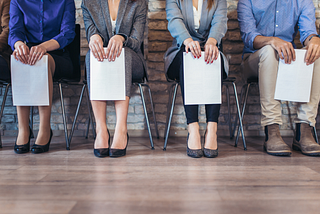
pixel 277 153
pixel 311 153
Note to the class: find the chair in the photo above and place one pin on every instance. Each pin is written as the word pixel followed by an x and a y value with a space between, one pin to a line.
pixel 7 86
pixel 138 82
pixel 74 50
pixel 171 102
pixel 245 89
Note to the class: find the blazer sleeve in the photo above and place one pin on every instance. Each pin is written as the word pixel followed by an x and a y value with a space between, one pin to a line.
pixel 135 38
pixel 4 25
pixel 176 24
pixel 219 21
pixel 89 25
pixel 16 25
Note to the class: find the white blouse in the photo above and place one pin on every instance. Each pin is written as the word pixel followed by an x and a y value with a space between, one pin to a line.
pixel 113 23
pixel 197 14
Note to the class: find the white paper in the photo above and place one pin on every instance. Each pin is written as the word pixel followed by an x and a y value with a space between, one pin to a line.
pixel 107 79
pixel 30 85
pixel 294 80
pixel 202 81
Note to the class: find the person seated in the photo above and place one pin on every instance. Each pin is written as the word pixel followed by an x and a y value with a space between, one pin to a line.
pixel 37 29
pixel 268 29
pixel 115 24
pixel 202 30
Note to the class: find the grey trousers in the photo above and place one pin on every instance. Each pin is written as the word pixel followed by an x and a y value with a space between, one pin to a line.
pixel 264 64
pixel 133 66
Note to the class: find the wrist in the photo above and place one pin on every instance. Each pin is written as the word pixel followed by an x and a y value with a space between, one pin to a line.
pixel 18 43
pixel 187 41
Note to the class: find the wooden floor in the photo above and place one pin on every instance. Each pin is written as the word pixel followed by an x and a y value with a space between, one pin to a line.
pixel 154 181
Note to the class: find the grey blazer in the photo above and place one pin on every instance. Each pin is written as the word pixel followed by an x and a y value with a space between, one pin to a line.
pixel 213 23
pixel 130 23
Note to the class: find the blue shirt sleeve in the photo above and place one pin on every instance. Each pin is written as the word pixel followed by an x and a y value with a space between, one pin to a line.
pixel 16 25
pixel 307 20
pixel 67 28
pixel 247 22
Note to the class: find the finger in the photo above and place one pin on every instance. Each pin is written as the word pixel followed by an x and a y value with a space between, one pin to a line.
pixel 210 54
pixel 100 45
pixel 186 48
pixel 112 50
pixel 198 49
pixel 289 54
pixel 26 52
pixel 192 51
pixel 313 57
pixel 40 55
pixel 21 56
pixel 115 53
pixel 94 52
pixel 293 52
pixel 120 49
pixel 99 51
pixel 15 55
pixel 215 54
pixel 308 54
pixel 284 54
pixel 206 53
pixel 32 56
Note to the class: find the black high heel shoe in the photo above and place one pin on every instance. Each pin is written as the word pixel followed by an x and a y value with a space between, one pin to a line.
pixel 20 149
pixel 103 152
pixel 209 153
pixel 194 153
pixel 115 153
pixel 36 149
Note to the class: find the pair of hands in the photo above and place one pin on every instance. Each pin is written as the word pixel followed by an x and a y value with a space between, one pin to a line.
pixel 25 55
pixel 211 52
pixel 287 53
pixel 113 50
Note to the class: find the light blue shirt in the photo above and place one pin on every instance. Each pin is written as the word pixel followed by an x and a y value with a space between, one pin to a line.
pixel 275 18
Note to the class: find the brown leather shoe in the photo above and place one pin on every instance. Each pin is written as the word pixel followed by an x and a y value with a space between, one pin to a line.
pixel 304 140
pixel 274 145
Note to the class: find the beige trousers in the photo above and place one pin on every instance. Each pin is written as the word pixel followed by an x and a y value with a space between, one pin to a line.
pixel 264 64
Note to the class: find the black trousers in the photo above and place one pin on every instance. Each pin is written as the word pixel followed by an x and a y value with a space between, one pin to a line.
pixel 4 70
pixel 175 72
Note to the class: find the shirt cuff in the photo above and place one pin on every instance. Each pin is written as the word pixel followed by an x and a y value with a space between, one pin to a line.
pixel 252 36
pixel 182 37
pixel 125 38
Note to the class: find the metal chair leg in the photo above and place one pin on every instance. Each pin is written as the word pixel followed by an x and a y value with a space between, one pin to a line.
pixel 76 115
pixel 241 104
pixel 168 110
pixel 146 115
pixel 240 128
pixel 31 121
pixel 152 109
pixel 315 134
pixel 90 115
pixel 64 117
pixel 229 112
pixel 88 127
pixel 170 117
pixel 2 107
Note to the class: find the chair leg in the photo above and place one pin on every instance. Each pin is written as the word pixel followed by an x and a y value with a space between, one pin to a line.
pixel 240 128
pixel 152 109
pixel 146 115
pixel 31 121
pixel 168 110
pixel 2 107
pixel 241 104
pixel 90 115
pixel 88 127
pixel 76 115
pixel 64 117
pixel 170 116
pixel 229 112
pixel 315 134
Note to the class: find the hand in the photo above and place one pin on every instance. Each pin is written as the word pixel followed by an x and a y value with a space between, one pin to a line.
pixel 193 46
pixel 211 52
pixel 114 47
pixel 96 47
pixel 285 50
pixel 313 50
pixel 21 52
pixel 36 53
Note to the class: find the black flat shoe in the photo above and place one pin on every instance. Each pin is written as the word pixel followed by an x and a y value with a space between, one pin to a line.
pixel 36 149
pixel 209 153
pixel 20 149
pixel 102 152
pixel 194 153
pixel 115 153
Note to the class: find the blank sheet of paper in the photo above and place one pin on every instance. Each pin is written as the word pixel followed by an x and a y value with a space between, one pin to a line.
pixel 294 80
pixel 202 81
pixel 30 83
pixel 107 79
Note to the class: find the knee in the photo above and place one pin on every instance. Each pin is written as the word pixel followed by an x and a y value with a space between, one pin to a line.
pixel 51 64
pixel 268 53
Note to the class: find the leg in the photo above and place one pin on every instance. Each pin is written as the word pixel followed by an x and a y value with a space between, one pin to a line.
pixel 212 114
pixel 120 134
pixel 45 111
pixel 100 113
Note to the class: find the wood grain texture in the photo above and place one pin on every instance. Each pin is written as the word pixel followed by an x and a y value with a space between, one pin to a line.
pixel 147 181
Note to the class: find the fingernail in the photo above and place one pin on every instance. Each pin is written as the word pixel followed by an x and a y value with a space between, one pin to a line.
pixel 205 60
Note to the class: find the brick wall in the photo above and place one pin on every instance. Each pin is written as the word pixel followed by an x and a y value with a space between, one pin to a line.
pixel 157 40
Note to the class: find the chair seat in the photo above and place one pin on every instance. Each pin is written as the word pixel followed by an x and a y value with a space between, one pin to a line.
pixel 229 79
pixel 252 80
